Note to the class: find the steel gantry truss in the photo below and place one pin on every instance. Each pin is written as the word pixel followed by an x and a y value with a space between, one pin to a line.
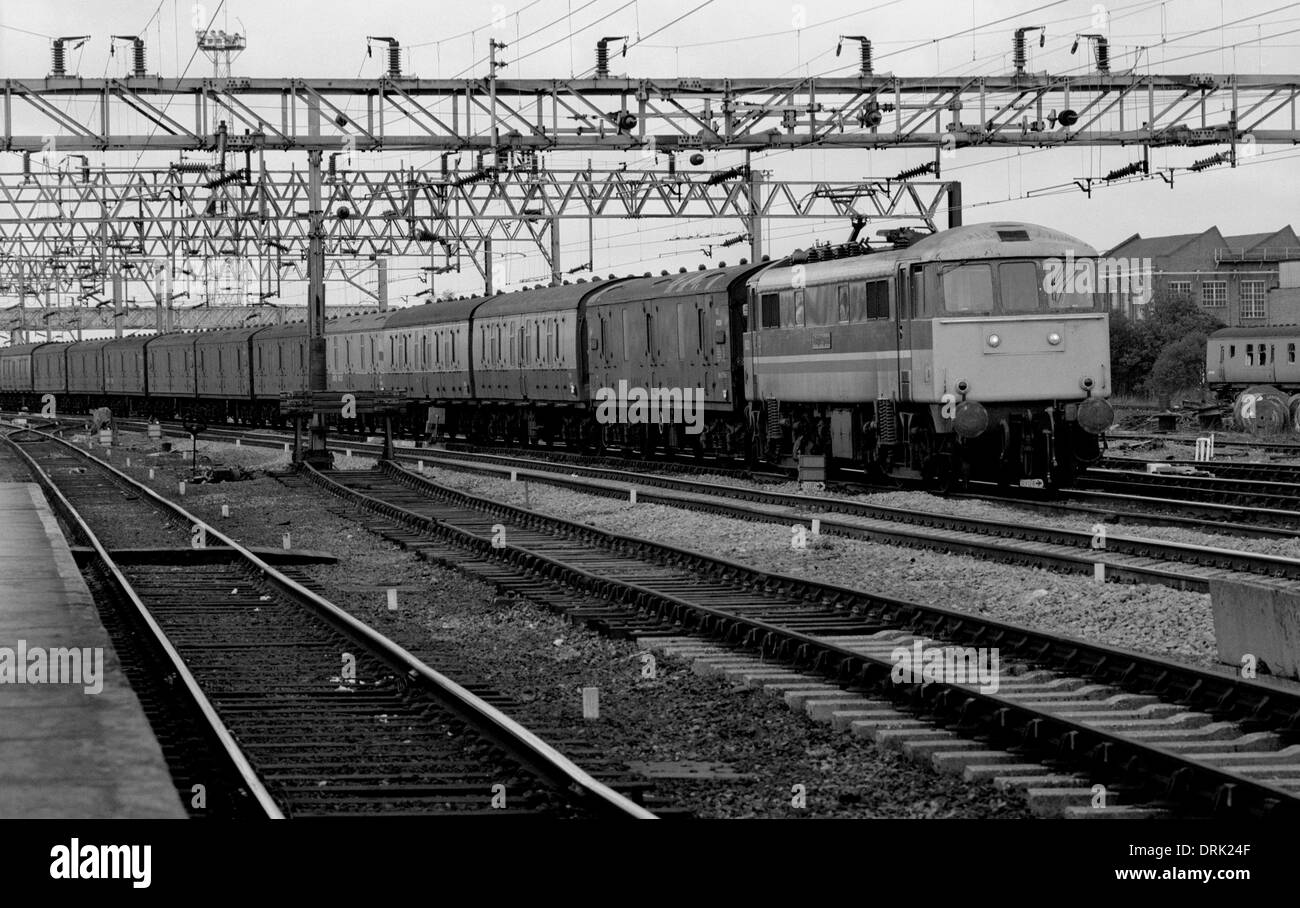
pixel 116 219
pixel 50 220
pixel 396 113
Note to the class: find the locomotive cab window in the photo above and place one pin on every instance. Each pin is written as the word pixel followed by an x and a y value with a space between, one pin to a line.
pixel 1018 283
pixel 968 289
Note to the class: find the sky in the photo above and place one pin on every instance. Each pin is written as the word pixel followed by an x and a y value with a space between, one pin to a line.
pixel 556 38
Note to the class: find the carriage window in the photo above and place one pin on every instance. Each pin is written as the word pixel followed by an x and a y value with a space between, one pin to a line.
pixel 699 327
pixel 877 299
pixel 842 303
pixel 603 349
pixel 1232 351
pixel 799 300
pixel 1221 351
pixel 649 332
pixel 1019 286
pixel 1290 353
pixel 1250 354
pixel 771 306
pixel 1263 355
pixel 967 289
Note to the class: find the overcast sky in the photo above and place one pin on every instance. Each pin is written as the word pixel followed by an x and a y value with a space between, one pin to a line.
pixel 326 38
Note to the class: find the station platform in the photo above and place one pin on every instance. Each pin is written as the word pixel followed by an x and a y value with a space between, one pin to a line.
pixel 66 751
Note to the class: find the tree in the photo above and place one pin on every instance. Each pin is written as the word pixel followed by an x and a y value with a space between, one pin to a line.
pixel 1176 329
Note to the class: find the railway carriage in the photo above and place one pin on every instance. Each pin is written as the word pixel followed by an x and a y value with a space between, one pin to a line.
pixel 85 375
pixel 17 380
pixel 224 381
pixel 279 358
pixel 170 372
pixel 1237 358
pixel 125 373
pixel 674 333
pixel 435 338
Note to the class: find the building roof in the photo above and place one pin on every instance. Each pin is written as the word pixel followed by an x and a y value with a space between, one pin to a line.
pixel 1154 247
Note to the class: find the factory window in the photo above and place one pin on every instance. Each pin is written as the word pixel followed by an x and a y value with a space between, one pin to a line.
pixel 1214 294
pixel 1019 285
pixel 1253 300
pixel 1180 289
pixel 1250 354
pixel 877 299
pixel 968 289
pixel 771 305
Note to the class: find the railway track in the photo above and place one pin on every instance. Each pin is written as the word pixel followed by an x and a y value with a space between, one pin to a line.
pixel 319 714
pixel 1129 558
pixel 1126 558
pixel 1265 500
pixel 1197 741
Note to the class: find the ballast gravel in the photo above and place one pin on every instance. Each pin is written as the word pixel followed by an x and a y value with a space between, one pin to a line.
pixel 760 747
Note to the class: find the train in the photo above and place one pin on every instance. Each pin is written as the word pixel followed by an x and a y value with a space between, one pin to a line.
pixel 1256 371
pixel 939 357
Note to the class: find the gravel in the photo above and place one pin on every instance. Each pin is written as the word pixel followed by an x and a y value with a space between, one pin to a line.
pixel 542 661
pixel 1147 618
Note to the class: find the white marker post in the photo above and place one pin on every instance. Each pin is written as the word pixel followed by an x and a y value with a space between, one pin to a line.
pixel 392 600
pixel 591 703
pixel 816 527
pixel 286 541
pixel 181 486
pixel 151 472
pixel 225 510
pixel 631 496
pixel 1099 572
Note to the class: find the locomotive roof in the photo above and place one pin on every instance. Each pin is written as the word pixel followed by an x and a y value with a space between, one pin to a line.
pixel 1262 331
pixel 1001 239
pixel 692 282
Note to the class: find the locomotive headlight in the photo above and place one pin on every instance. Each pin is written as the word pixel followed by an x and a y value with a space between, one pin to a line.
pixel 1054 339
pixel 994 340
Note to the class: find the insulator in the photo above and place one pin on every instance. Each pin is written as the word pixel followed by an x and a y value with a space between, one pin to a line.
pixel 866 56
pixel 27 164
pixel 394 60
pixel 602 60
pixel 1103 55
pixel 1018 55
pixel 137 56
pixel 916 171
pixel 59 60
pixel 1127 170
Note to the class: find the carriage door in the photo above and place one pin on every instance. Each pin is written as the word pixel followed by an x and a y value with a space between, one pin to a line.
pixel 907 286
